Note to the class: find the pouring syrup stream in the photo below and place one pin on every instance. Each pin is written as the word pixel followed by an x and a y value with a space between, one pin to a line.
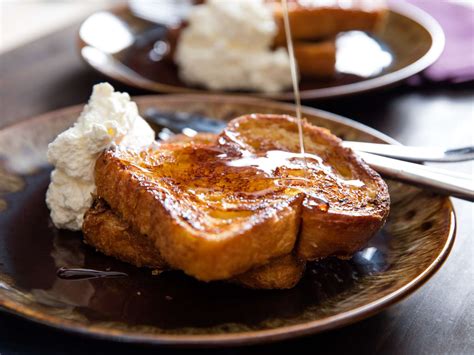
pixel 294 75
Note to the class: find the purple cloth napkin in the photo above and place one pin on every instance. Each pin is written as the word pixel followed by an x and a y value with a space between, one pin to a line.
pixel 456 64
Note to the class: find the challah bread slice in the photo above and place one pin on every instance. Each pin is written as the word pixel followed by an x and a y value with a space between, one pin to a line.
pixel 346 201
pixel 193 207
pixel 109 234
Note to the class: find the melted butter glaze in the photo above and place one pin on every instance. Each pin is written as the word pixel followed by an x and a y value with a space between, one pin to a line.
pixel 225 180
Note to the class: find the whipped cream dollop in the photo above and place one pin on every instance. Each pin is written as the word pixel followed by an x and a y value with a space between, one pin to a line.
pixel 109 119
pixel 227 45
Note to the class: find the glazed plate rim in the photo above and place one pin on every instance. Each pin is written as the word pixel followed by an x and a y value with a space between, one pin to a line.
pixel 247 337
pixel 426 21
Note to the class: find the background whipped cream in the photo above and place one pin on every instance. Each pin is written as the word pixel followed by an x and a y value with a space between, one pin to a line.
pixel 109 118
pixel 227 45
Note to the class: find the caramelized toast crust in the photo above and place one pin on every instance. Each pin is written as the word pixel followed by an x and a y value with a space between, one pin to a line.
pixel 355 198
pixel 109 234
pixel 218 209
pixel 280 273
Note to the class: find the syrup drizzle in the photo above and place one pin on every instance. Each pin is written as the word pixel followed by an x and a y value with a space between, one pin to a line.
pixel 87 274
pixel 294 74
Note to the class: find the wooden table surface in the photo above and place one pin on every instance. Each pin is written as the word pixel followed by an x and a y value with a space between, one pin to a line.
pixel 437 319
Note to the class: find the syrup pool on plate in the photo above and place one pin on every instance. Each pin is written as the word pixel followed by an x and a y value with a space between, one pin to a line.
pixel 87 274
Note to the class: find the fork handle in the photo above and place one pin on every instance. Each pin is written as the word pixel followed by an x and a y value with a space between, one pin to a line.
pixel 414 154
pixel 439 180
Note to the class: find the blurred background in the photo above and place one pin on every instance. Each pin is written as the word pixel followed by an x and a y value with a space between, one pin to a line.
pixel 45 16
pixel 42 17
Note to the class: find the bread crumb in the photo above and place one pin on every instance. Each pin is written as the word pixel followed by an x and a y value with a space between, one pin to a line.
pixel 168 298
pixel 139 293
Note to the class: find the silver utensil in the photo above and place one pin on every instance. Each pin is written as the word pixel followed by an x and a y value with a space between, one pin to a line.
pixel 439 180
pixel 414 154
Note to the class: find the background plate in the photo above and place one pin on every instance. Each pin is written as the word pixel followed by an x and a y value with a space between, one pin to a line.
pixel 172 308
pixel 117 44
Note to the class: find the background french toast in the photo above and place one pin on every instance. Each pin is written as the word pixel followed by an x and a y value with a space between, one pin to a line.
pixel 316 59
pixel 314 27
pixel 217 210
pixel 315 21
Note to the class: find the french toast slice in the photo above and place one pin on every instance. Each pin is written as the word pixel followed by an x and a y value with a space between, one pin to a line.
pixel 310 21
pixel 109 234
pixel 345 202
pixel 217 210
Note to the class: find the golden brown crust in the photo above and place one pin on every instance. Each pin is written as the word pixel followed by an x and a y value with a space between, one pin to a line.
pixel 354 214
pixel 281 273
pixel 106 232
pixel 163 217
pixel 109 234
pixel 215 219
pixel 347 183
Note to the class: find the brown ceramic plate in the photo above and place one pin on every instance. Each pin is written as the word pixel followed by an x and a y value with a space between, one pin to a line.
pixel 172 308
pixel 128 49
